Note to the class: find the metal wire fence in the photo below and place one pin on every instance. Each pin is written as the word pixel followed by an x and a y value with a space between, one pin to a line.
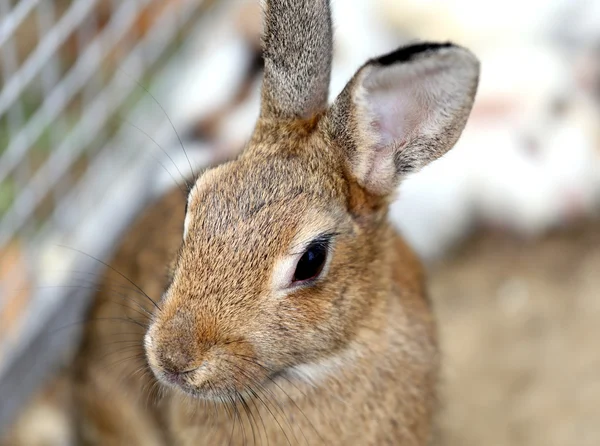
pixel 76 112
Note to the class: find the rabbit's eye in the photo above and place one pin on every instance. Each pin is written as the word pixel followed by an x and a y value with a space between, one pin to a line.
pixel 312 261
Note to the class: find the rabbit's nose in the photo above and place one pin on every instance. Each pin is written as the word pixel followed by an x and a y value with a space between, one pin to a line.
pixel 176 362
pixel 172 352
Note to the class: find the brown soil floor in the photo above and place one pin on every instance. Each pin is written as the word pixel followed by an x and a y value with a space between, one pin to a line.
pixel 520 330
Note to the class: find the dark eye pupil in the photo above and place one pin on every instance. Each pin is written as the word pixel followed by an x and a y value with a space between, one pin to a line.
pixel 311 263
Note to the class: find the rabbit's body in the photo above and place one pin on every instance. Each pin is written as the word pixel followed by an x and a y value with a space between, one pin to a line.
pixel 291 312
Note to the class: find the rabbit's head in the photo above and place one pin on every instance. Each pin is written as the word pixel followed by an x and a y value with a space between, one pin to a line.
pixel 284 249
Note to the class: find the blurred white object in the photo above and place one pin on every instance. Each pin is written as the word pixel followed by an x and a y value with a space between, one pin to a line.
pixel 360 34
pixel 476 24
pixel 434 209
pixel 214 66
pixel 233 132
pixel 577 22
pixel 529 159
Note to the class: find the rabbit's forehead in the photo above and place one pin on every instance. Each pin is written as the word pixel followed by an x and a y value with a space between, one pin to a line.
pixel 241 223
pixel 242 187
pixel 257 201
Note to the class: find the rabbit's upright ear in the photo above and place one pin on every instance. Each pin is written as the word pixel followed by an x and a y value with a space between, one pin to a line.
pixel 297 46
pixel 403 110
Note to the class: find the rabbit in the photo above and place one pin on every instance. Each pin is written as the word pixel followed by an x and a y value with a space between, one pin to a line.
pixel 528 161
pixel 290 310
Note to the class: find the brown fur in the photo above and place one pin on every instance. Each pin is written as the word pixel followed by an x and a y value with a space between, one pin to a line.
pixel 241 355
pixel 297 54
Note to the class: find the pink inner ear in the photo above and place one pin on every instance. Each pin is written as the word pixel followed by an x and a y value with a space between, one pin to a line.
pixel 394 116
pixel 410 112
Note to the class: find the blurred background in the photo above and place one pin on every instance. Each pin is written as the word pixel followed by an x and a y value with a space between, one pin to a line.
pixel 107 104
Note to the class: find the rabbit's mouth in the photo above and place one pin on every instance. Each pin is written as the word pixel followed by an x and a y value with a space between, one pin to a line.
pixel 218 372
pixel 221 379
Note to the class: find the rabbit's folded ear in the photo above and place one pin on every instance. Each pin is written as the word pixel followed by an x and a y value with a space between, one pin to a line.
pixel 403 110
pixel 297 46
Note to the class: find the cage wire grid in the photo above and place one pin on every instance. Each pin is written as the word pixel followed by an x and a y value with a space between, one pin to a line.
pixel 74 158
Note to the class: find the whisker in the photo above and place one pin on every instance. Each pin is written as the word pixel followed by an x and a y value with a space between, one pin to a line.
pixel 238 416
pixel 99 319
pixel 105 282
pixel 89 286
pixel 111 365
pixel 214 404
pixel 261 390
pixel 259 386
pixel 249 416
pixel 141 310
pixel 157 391
pixel 131 342
pixel 120 334
pixel 129 348
pixel 236 401
pixel 144 313
pixel 116 271
pixel 232 428
pixel 96 282
pixel 159 162
pixel 152 389
pixel 269 372
pixel 166 115
pixel 255 396
pixel 290 382
pixel 127 317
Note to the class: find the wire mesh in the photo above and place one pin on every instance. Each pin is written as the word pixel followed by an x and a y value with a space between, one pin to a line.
pixel 75 85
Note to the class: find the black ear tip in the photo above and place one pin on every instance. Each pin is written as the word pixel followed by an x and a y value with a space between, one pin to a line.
pixel 407 53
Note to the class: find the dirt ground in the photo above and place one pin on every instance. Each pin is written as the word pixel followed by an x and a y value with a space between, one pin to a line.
pixel 519 326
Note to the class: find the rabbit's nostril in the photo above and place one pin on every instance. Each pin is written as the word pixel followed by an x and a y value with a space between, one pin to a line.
pixel 174 377
pixel 175 360
pixel 177 377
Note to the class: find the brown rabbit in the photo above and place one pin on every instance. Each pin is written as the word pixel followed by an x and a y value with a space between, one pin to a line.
pixel 293 313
